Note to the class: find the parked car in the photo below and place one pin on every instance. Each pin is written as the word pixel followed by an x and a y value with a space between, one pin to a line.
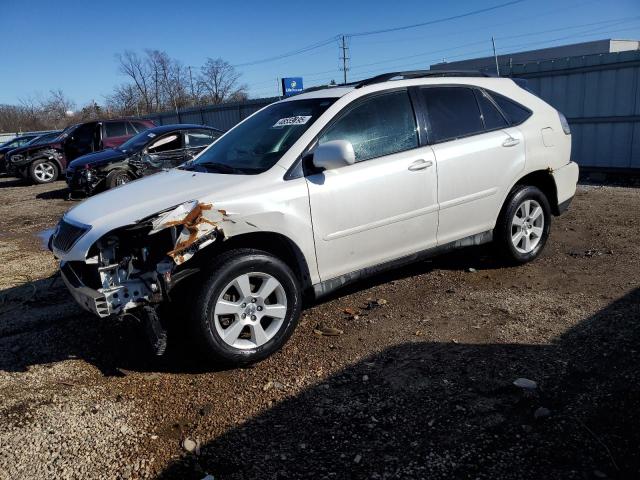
pixel 316 191
pixel 148 152
pixel 43 163
pixel 14 143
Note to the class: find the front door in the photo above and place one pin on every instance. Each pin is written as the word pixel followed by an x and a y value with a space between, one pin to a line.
pixel 164 152
pixel 384 206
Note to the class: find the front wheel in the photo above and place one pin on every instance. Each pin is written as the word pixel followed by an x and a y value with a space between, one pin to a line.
pixel 44 171
pixel 247 308
pixel 117 178
pixel 523 227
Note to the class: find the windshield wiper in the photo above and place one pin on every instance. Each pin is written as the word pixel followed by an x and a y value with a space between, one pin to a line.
pixel 220 167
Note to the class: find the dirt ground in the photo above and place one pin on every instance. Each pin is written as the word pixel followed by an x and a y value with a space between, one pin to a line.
pixel 419 385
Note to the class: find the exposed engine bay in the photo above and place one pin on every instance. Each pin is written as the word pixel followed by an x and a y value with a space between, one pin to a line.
pixel 139 264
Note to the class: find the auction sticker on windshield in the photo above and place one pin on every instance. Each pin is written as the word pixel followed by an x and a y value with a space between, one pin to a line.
pixel 298 120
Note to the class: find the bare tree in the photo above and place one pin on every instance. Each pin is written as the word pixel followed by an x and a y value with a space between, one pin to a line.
pixel 137 70
pixel 219 81
pixel 57 108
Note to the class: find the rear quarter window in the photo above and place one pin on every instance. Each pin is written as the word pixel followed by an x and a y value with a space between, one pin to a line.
pixel 513 111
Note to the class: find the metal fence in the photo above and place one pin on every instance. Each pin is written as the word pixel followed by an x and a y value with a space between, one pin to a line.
pixel 600 96
pixel 223 116
pixel 6 136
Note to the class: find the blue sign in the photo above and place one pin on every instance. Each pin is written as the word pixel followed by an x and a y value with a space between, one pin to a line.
pixel 291 86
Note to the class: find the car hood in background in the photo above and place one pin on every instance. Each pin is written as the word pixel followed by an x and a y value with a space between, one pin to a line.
pixel 102 157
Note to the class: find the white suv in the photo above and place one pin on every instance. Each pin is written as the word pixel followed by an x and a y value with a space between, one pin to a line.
pixel 313 192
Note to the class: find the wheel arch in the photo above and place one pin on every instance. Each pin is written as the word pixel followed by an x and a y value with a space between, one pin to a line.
pixel 48 154
pixel 542 179
pixel 274 243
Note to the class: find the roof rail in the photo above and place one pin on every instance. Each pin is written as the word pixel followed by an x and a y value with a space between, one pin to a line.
pixel 421 74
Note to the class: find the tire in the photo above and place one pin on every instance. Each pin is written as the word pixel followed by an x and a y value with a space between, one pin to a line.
pixel 521 233
pixel 115 178
pixel 43 171
pixel 231 329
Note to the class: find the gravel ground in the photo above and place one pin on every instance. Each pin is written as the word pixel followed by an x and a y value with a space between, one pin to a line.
pixel 418 385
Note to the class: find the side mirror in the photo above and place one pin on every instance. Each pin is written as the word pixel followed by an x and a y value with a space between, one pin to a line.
pixel 334 154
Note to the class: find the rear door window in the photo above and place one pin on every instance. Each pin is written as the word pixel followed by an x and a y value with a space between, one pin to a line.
pixel 452 112
pixel 379 126
pixel 115 129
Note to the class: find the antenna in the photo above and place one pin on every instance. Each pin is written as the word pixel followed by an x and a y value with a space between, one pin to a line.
pixel 493 42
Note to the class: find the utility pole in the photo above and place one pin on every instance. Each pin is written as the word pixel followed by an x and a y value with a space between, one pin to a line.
pixel 493 42
pixel 193 96
pixel 344 58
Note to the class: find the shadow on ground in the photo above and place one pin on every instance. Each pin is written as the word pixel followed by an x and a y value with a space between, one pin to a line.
pixel 428 410
pixel 58 194
pixel 40 324
pixel 15 182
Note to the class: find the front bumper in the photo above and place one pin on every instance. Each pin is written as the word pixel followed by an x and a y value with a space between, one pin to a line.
pixel 115 298
pixel 91 300
pixel 82 181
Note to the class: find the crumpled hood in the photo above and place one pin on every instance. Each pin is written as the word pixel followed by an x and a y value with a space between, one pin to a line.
pixel 102 157
pixel 142 198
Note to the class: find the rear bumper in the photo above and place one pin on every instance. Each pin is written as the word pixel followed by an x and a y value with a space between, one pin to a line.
pixel 566 179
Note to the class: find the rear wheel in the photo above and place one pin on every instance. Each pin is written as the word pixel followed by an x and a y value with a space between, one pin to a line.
pixel 43 171
pixel 247 308
pixel 523 227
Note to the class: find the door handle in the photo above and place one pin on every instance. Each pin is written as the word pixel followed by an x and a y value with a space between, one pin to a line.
pixel 420 165
pixel 510 142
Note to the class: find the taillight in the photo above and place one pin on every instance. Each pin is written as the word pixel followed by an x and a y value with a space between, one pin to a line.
pixel 565 125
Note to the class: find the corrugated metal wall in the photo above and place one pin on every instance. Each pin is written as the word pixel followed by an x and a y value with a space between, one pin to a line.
pixel 219 116
pixel 600 96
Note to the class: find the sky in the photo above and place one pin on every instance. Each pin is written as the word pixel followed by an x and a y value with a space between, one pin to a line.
pixel 72 45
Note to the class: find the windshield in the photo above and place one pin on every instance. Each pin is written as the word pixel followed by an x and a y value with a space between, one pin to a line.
pixel 257 144
pixel 137 142
pixel 46 138
pixel 16 141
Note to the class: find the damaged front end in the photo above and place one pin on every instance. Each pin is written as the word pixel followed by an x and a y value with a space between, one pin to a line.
pixel 138 265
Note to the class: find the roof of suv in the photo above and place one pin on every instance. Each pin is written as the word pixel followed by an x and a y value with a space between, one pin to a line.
pixel 417 77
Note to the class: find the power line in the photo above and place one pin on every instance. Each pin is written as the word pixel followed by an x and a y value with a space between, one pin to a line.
pixel 374 32
pixel 432 22
pixel 614 21
pixel 291 53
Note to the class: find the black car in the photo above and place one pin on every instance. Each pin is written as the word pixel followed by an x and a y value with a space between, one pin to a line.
pixel 17 142
pixel 148 152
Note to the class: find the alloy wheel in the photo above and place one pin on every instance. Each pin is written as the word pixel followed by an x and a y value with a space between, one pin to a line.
pixel 527 226
pixel 250 310
pixel 44 171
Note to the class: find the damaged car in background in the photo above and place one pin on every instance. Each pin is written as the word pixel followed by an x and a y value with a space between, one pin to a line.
pixel 314 192
pixel 146 153
pixel 45 161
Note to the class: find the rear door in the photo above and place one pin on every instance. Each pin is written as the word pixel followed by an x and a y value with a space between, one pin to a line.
pixel 114 134
pixel 478 156
pixel 384 206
